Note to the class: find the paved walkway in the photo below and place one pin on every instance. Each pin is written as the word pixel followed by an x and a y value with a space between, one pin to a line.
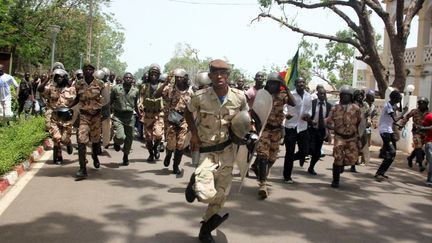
pixel 145 203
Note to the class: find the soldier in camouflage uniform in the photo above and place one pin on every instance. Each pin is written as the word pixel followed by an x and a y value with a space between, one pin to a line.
pixel 59 95
pixel 48 109
pixel 124 99
pixel 344 119
pixel 417 116
pixel 268 144
pixel 176 97
pixel 89 97
pixel 216 106
pixel 153 119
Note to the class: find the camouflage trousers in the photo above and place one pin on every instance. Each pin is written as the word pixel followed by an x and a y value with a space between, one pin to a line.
pixel 213 178
pixel 176 136
pixel 268 144
pixel 153 126
pixel 60 132
pixel 89 128
pixel 417 141
pixel 345 151
pixel 48 113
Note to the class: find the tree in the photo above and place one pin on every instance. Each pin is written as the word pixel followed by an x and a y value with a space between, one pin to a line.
pixel 364 37
pixel 24 27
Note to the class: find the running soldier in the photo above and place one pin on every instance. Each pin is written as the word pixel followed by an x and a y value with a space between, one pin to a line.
pixel 124 98
pixel 417 116
pixel 60 96
pixel 268 144
pixel 89 97
pixel 153 119
pixel 215 106
pixel 176 98
pixel 344 119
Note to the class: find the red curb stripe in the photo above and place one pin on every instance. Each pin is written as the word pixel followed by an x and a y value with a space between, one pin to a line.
pixel 4 184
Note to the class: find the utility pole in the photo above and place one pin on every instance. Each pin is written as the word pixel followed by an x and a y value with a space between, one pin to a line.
pixel 89 32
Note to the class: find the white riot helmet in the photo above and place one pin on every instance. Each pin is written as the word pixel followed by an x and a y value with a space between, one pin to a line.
pixel 106 71
pixel 79 71
pixel 202 79
pixel 163 77
pixel 99 74
pixel 180 72
pixel 60 72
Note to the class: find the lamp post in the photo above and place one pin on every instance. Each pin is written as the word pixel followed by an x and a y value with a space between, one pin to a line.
pixel 81 60
pixel 410 88
pixel 55 29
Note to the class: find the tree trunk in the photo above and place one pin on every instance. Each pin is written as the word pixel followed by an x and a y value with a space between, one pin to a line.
pixel 379 72
pixel 398 54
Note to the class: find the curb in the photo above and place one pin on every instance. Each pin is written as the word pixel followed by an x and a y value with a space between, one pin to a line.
pixel 19 170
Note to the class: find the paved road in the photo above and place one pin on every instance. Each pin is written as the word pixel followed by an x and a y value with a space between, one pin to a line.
pixel 143 202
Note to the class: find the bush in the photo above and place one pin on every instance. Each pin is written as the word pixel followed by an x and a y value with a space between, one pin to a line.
pixel 19 140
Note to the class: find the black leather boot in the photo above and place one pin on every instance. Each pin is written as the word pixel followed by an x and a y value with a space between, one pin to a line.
pixel 55 155
pixel 125 159
pixel 149 146
pixel 69 149
pixel 156 152
pixel 207 227
pixel 190 192
pixel 177 159
pixel 167 159
pixel 95 152
pixel 336 176
pixel 82 172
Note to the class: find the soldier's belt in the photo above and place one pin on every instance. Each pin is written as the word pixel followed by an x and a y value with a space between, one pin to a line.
pixel 350 136
pixel 91 112
pixel 215 148
pixel 271 127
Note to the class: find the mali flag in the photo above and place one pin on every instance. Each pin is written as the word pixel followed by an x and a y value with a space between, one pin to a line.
pixel 291 74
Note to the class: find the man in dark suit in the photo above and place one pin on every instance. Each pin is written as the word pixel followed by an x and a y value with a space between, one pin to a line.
pixel 317 130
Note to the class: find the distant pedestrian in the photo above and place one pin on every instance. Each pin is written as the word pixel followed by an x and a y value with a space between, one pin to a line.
pixel 25 96
pixel 6 81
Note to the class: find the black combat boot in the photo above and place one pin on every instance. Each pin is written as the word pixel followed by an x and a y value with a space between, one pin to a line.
pixel 149 146
pixel 95 152
pixel 207 227
pixel 155 148
pixel 177 159
pixel 55 155
pixel 82 172
pixel 125 159
pixel 190 192
pixel 69 149
pixel 336 175
pixel 419 155
pixel 254 167
pixel 262 177
pixel 167 159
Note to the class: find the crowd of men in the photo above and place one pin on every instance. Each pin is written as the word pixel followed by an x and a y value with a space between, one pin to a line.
pixel 199 118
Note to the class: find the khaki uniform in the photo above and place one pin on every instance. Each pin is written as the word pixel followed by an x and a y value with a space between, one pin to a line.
pixel 90 102
pixel 418 135
pixel 176 100
pixel 56 98
pixel 153 118
pixel 268 144
pixel 123 105
pixel 48 109
pixel 214 172
pixel 346 149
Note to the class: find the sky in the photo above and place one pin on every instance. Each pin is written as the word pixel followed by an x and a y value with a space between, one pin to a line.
pixel 154 28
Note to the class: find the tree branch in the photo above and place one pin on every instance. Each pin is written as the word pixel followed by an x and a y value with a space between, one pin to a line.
pixel 399 18
pixel 350 23
pixel 314 34
pixel 314 5
pixel 412 10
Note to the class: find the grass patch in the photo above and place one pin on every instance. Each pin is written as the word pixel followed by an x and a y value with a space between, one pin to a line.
pixel 19 140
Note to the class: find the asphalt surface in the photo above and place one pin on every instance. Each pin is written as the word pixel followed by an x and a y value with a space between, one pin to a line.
pixel 144 202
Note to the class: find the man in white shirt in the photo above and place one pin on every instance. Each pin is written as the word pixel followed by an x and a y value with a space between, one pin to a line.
pixel 6 81
pixel 296 124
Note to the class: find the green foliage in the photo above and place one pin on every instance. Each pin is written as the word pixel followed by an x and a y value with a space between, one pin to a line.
pixel 19 140
pixel 25 30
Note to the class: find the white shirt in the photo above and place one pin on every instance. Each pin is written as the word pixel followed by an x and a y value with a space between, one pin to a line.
pixel 386 121
pixel 324 110
pixel 303 106
pixel 5 81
